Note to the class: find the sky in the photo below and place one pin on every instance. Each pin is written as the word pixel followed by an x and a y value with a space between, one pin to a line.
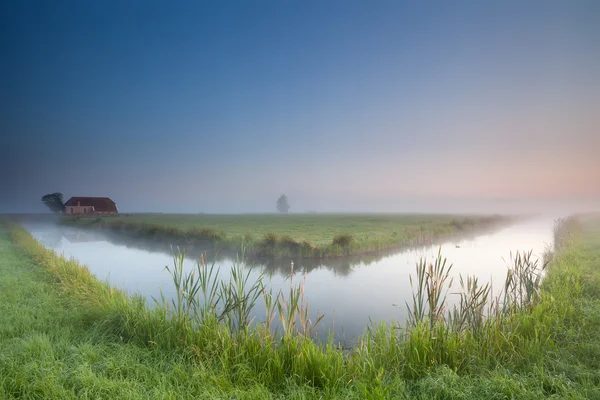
pixel 374 106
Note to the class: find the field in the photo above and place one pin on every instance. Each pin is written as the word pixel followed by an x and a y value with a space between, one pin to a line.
pixel 300 235
pixel 65 335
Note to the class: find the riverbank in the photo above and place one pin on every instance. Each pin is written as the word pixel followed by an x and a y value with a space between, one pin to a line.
pixel 294 235
pixel 66 335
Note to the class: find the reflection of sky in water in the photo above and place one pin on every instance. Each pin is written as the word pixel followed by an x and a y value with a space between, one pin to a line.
pixel 376 291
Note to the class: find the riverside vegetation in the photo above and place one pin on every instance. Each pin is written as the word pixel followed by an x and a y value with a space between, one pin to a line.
pixel 64 334
pixel 293 235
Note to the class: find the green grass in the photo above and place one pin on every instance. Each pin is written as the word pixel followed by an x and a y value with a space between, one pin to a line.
pixel 298 235
pixel 55 346
pixel 63 334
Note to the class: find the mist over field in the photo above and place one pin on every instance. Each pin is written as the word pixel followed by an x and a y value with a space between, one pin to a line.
pixel 342 199
pixel 220 108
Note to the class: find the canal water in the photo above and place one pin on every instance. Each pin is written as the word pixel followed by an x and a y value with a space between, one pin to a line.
pixel 351 292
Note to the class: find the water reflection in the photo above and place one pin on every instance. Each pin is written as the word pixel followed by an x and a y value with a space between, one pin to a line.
pixel 350 291
pixel 52 234
pixel 82 237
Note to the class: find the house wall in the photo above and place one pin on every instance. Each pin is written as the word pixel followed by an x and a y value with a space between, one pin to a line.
pixel 79 210
pixel 85 210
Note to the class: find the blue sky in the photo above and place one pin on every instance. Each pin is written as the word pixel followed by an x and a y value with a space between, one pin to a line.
pixel 343 105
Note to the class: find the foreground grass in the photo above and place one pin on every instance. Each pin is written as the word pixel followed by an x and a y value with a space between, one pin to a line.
pixel 293 235
pixel 63 334
pixel 53 346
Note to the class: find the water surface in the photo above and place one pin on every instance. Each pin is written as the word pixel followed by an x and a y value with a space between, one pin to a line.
pixel 350 292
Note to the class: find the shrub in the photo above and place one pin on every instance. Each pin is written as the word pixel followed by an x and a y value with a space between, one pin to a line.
pixel 269 240
pixel 307 249
pixel 248 238
pixel 457 224
pixel 207 234
pixel 289 243
pixel 343 240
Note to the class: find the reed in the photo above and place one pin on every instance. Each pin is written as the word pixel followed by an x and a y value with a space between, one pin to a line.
pixel 537 316
pixel 430 291
pixel 470 312
pixel 476 327
pixel 202 294
pixel 523 283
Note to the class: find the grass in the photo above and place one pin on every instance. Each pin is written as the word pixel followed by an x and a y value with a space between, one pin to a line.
pixel 54 345
pixel 63 334
pixel 293 235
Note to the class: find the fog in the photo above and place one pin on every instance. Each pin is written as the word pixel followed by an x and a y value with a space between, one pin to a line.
pixel 343 107
pixel 342 289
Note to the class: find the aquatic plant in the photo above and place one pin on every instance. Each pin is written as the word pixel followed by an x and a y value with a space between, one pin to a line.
pixel 210 323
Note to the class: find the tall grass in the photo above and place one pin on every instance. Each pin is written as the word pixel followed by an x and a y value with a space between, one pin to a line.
pixel 203 295
pixel 522 288
pixel 432 284
pixel 565 231
pixel 210 320
pixel 476 327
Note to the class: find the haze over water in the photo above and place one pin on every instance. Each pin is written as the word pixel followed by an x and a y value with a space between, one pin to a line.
pixel 350 294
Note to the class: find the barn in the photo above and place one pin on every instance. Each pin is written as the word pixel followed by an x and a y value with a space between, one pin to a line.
pixel 90 206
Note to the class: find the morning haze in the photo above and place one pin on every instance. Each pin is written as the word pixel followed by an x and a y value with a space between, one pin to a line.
pixel 273 199
pixel 344 106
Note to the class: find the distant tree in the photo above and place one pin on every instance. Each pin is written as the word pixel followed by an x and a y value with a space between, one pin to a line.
pixel 282 204
pixel 54 201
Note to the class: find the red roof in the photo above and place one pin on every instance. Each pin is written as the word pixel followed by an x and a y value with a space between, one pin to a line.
pixel 100 204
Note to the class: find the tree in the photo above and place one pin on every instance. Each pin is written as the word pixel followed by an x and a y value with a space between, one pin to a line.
pixel 282 204
pixel 54 201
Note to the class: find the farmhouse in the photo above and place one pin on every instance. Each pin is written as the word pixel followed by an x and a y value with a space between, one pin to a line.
pixel 90 206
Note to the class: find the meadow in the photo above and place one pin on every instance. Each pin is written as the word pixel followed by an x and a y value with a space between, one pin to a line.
pixel 64 334
pixel 291 235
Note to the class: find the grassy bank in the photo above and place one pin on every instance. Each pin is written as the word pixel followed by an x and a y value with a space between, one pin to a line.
pixel 294 235
pixel 63 334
